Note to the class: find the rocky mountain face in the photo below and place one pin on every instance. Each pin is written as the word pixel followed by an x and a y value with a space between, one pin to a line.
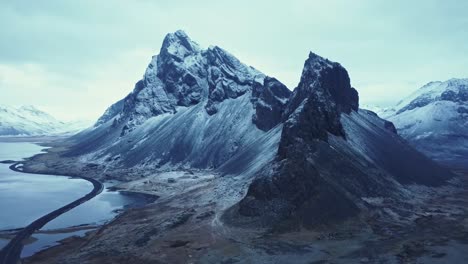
pixel 306 157
pixel 269 100
pixel 318 174
pixel 30 121
pixel 313 113
pixel 434 119
pixel 183 74
pixel 323 93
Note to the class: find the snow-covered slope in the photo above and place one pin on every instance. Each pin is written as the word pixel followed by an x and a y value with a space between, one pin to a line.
pixel 434 119
pixel 30 121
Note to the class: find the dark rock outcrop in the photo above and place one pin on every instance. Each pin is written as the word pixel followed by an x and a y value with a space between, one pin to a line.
pixel 462 110
pixel 323 93
pixel 270 100
pixel 390 126
pixel 183 85
pixel 294 186
pixel 460 95
pixel 328 81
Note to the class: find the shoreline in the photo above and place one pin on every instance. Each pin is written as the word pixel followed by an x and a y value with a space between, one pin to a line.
pixel 12 251
pixel 9 234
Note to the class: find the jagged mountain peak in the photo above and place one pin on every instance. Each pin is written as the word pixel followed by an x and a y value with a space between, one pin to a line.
pixel 323 75
pixel 184 74
pixel 323 93
pixel 179 45
pixel 325 78
pixel 220 57
pixel 317 63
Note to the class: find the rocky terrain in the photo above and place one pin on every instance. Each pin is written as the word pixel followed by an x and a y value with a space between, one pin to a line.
pixel 248 172
pixel 434 119
pixel 185 228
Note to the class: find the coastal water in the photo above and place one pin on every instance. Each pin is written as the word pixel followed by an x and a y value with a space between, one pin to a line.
pixel 26 197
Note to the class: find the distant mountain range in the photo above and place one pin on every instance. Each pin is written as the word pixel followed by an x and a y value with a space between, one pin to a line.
pixel 434 119
pixel 30 121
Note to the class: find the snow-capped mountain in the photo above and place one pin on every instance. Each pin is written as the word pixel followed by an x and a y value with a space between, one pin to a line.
pixel 434 119
pixel 199 106
pixel 30 121
pixel 311 155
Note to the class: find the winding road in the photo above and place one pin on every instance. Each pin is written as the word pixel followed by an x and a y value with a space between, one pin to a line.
pixel 11 253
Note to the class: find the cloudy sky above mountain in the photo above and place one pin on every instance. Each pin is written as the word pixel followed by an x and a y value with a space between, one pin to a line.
pixel 75 58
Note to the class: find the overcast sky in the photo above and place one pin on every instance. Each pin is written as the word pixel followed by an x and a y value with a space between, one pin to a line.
pixel 75 58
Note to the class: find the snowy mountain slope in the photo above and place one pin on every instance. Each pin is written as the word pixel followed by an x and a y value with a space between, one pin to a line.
pixel 434 119
pixel 311 155
pixel 29 121
pixel 190 137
